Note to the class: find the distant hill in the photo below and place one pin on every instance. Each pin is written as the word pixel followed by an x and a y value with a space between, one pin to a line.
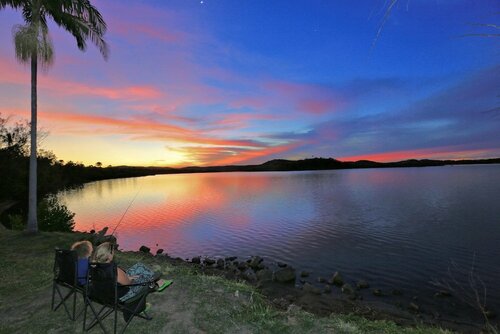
pixel 322 164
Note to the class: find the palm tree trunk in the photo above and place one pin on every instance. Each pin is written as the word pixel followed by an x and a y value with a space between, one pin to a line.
pixel 32 198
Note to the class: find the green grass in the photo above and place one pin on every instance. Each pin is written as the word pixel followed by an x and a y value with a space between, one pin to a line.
pixel 195 303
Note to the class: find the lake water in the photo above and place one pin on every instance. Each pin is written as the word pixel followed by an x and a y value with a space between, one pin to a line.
pixel 396 228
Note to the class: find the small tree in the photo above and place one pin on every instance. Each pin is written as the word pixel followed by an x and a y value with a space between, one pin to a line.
pixel 54 216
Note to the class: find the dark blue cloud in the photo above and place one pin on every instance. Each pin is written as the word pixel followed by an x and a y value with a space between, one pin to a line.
pixel 464 116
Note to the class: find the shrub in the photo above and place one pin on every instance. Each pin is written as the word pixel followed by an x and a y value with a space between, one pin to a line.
pixel 17 222
pixel 54 216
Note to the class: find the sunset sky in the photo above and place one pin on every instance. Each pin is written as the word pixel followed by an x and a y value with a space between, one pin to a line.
pixel 218 82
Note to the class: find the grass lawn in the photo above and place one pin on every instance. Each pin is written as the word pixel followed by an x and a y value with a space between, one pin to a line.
pixel 195 303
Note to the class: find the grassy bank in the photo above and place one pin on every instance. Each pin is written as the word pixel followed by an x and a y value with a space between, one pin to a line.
pixel 196 303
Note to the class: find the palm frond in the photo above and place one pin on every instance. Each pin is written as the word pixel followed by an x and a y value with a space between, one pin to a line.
pixel 16 4
pixel 27 13
pixel 480 35
pixel 32 39
pixel 82 20
pixel 78 17
pixel 487 25
pixel 25 42
pixel 390 5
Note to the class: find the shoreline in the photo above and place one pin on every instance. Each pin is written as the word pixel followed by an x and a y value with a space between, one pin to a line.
pixel 305 165
pixel 284 292
pixel 198 302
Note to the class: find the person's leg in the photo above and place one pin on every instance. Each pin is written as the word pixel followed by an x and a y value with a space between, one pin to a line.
pixel 146 275
pixel 141 270
pixel 143 274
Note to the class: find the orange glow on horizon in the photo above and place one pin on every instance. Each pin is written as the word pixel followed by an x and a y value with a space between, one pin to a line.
pixel 443 153
pixel 253 154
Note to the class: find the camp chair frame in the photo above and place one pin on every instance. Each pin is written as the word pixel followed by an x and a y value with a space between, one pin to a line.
pixel 66 278
pixel 111 303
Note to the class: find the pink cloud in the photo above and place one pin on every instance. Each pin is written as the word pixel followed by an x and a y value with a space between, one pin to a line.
pixel 308 98
pixel 120 126
pixel 284 87
pixel 115 93
pixel 196 138
pixel 164 36
pixel 228 155
pixel 139 31
pixel 238 121
pixel 139 129
pixel 13 74
pixel 249 155
pixel 252 102
pixel 316 106
pixel 156 113
pixel 17 114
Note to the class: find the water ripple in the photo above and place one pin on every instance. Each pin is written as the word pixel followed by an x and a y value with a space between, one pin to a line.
pixel 395 227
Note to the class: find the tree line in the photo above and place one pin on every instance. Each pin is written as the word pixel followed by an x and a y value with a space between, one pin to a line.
pixel 53 174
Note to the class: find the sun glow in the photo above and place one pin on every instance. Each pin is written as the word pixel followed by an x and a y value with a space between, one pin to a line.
pixel 111 150
pixel 199 96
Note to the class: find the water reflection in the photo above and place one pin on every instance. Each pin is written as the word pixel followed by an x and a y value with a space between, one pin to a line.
pixel 393 227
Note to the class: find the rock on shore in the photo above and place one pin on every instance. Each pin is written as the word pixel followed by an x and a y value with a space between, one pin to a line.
pixel 285 275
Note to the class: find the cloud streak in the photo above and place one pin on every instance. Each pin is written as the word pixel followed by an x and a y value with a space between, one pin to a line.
pixel 195 81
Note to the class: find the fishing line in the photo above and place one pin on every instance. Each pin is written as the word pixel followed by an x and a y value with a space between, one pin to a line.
pixel 128 207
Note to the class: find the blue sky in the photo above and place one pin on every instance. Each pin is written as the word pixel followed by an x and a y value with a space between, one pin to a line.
pixel 237 82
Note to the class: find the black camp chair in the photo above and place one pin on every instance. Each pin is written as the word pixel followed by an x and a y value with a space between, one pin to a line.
pixel 103 289
pixel 65 282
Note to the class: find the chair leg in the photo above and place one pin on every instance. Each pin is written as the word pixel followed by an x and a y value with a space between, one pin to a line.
pixel 74 305
pixel 116 320
pixel 98 318
pixel 134 312
pixel 81 311
pixel 53 295
pixel 84 312
pixel 63 301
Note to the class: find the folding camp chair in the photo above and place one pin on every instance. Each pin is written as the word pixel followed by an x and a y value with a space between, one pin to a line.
pixel 65 282
pixel 103 289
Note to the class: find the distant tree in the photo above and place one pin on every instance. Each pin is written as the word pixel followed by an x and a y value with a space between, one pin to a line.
pixel 14 150
pixel 98 164
pixel 33 45
pixel 14 139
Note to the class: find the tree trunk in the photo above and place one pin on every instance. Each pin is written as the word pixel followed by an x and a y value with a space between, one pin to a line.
pixel 32 199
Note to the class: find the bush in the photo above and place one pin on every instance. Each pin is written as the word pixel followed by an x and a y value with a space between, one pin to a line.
pixel 54 216
pixel 17 222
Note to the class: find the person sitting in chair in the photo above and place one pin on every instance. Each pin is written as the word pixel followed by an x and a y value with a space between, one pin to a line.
pixel 83 250
pixel 138 273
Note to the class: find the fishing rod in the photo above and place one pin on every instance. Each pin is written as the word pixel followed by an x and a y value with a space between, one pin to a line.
pixel 128 207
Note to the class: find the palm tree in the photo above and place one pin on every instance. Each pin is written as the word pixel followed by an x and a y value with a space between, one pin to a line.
pixel 33 45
